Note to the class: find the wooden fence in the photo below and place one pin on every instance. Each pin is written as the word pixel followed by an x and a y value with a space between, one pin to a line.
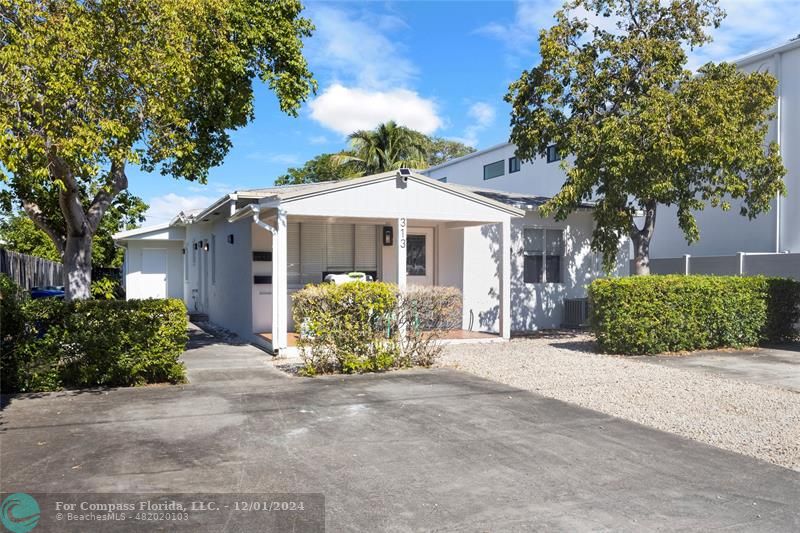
pixel 29 271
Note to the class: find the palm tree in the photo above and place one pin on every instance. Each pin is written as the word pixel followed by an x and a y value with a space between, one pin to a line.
pixel 387 147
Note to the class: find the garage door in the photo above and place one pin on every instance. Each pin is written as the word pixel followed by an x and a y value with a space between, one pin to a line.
pixel 154 273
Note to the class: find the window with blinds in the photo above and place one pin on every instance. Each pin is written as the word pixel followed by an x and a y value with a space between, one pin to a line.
pixel 544 249
pixel 315 248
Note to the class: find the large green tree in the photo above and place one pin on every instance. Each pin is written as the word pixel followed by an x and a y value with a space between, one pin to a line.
pixel 89 88
pixel 636 128
pixel 18 233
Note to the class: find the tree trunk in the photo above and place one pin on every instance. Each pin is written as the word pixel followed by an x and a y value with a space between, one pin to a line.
pixel 81 225
pixel 641 240
pixel 78 267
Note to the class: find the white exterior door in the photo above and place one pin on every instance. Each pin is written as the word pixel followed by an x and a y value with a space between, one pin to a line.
pixel 154 273
pixel 419 256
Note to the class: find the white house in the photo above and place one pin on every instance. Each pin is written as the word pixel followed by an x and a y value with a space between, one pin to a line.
pixel 722 233
pixel 240 259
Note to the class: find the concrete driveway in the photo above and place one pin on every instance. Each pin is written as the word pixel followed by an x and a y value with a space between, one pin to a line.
pixel 779 366
pixel 403 451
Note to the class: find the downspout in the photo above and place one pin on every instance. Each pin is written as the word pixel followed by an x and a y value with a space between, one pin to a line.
pixel 778 126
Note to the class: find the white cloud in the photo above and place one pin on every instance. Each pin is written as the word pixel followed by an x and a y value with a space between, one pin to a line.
pixel 750 25
pixel 372 79
pixel 347 109
pixel 522 33
pixel 164 208
pixel 482 115
pixel 318 139
pixel 283 159
pixel 353 49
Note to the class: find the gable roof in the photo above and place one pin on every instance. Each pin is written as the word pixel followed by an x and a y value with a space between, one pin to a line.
pixel 290 193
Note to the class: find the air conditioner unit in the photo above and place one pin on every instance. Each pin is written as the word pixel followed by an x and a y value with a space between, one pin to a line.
pixel 576 313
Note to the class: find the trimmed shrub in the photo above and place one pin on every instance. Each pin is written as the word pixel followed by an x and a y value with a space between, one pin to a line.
pixel 94 343
pixel 354 327
pixel 656 314
pixel 343 328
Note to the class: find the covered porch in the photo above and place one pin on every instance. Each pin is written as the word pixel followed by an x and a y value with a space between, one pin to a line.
pixel 397 227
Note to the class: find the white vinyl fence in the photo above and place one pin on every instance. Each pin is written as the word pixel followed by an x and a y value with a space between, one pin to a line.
pixel 744 264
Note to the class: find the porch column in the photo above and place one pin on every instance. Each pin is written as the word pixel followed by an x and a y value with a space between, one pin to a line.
pixel 401 230
pixel 505 279
pixel 279 284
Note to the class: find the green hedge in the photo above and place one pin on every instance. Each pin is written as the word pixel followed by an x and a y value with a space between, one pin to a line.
pixel 48 344
pixel 656 314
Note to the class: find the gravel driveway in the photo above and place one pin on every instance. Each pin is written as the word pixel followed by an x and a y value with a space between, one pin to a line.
pixel 757 420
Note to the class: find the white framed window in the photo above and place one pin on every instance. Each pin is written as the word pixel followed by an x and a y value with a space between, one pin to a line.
pixel 494 170
pixel 543 255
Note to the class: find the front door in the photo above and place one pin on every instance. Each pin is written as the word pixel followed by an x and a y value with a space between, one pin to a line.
pixel 419 256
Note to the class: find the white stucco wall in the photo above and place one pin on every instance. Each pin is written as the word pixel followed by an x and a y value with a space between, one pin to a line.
pixel 534 306
pixel 230 280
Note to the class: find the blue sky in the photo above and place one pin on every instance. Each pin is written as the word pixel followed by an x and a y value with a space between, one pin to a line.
pixel 441 67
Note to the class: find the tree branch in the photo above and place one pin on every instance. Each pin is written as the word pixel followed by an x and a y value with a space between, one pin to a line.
pixel 104 197
pixel 35 214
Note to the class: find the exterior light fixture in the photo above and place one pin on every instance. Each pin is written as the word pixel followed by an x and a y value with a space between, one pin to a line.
pixel 388 236
pixel 205 246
